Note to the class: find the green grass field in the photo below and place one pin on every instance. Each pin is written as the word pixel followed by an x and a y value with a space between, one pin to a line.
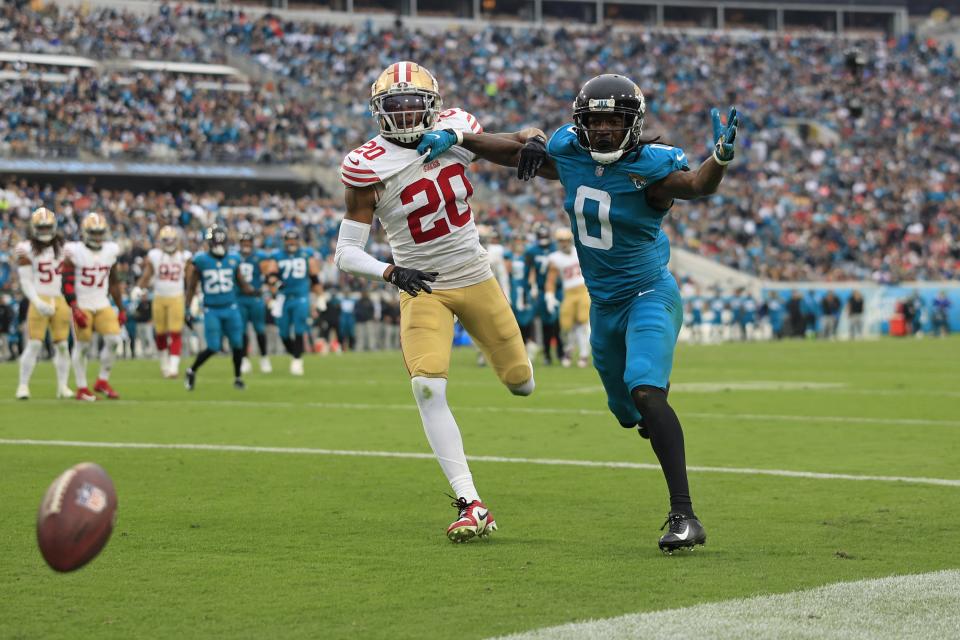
pixel 318 544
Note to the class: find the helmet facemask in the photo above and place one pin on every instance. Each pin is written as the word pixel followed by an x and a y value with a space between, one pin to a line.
pixel 406 114
pixel 94 238
pixel 44 232
pixel 601 141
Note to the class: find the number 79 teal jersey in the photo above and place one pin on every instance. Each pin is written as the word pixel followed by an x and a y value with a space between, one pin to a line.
pixel 621 246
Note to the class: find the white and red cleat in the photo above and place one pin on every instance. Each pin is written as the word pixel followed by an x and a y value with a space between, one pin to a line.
pixel 85 394
pixel 102 386
pixel 474 520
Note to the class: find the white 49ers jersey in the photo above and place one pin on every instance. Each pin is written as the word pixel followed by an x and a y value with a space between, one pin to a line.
pixel 46 268
pixel 92 271
pixel 568 266
pixel 168 269
pixel 424 207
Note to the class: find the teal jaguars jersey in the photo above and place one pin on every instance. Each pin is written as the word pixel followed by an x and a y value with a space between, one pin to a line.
pixel 294 271
pixel 250 270
pixel 535 258
pixel 621 246
pixel 519 284
pixel 218 279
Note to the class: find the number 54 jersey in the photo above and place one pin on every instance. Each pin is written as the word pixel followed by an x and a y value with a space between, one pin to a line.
pixel 92 269
pixel 618 237
pixel 424 207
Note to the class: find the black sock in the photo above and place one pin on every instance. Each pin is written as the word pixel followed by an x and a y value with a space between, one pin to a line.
pixel 246 343
pixel 666 438
pixel 262 343
pixel 297 346
pixel 237 361
pixel 202 357
pixel 288 345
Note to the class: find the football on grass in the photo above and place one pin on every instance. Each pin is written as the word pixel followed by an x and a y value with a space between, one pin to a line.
pixel 76 516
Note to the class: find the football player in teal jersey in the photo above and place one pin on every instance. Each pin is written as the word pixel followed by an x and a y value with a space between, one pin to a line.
pixel 253 311
pixel 217 271
pixel 537 264
pixel 618 187
pixel 294 272
pixel 520 297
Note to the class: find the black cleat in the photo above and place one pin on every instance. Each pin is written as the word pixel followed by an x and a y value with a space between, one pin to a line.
pixel 238 384
pixel 190 380
pixel 684 533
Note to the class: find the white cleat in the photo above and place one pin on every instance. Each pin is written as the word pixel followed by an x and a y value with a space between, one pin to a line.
pixel 245 366
pixel 296 367
pixel 171 373
pixel 65 393
pixel 265 366
pixel 23 392
pixel 565 363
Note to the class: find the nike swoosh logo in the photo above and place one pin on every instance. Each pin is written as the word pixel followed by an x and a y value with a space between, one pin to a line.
pixel 686 532
pixel 680 156
pixel 483 516
pixel 643 293
pixel 356 162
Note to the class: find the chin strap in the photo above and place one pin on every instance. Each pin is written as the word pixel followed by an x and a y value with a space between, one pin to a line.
pixel 606 158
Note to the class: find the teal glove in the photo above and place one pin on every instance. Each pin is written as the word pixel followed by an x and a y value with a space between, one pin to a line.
pixel 434 143
pixel 724 136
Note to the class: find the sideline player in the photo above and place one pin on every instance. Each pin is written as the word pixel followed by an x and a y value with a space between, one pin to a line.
pixel 618 187
pixel 441 267
pixel 521 298
pixel 564 265
pixel 253 311
pixel 219 273
pixel 165 267
pixel 537 264
pixel 295 272
pixel 89 275
pixel 39 264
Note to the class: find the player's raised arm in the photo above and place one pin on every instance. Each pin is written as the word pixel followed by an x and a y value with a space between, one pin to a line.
pixel 687 185
pixel 525 149
pixel 351 255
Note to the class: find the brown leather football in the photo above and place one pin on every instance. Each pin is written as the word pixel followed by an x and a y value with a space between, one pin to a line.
pixel 76 516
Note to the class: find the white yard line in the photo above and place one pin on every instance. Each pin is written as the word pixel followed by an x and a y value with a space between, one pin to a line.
pixel 898 607
pixel 457 408
pixel 786 473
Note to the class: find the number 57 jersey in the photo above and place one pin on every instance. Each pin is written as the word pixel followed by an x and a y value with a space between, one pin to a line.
pixel 621 246
pixel 92 269
pixel 424 208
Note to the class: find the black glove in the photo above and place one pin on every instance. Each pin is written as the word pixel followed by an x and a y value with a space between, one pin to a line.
pixel 188 320
pixel 412 280
pixel 532 156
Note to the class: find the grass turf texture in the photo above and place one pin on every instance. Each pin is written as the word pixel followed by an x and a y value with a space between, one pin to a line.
pixel 258 545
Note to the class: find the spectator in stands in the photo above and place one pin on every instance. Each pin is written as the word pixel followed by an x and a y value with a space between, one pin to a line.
pixel 855 315
pixel 365 329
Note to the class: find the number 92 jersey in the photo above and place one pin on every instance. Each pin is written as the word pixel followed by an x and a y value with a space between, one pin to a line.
pixel 618 237
pixel 168 269
pixel 218 279
pixel 92 272
pixel 423 207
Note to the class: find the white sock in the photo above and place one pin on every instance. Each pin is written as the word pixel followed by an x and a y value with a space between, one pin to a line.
pixel 80 363
pixel 108 355
pixel 29 360
pixel 175 363
pixel 61 362
pixel 443 434
pixel 583 340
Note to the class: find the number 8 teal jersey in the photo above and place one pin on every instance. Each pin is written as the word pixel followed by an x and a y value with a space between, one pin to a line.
pixel 621 246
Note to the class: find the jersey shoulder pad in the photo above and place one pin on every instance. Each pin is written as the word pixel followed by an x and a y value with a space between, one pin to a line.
pixel 111 250
pixel 356 169
pixel 73 250
pixel 563 142
pixel 199 258
pixel 457 118
pixel 153 255
pixel 309 252
pixel 185 255
pixel 657 161
pixel 23 249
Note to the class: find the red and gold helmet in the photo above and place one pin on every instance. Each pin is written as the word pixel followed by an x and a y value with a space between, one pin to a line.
pixel 406 101
pixel 168 239
pixel 94 230
pixel 564 238
pixel 43 224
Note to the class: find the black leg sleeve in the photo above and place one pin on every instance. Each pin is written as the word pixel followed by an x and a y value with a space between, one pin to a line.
pixel 666 438
pixel 202 357
pixel 237 361
pixel 262 343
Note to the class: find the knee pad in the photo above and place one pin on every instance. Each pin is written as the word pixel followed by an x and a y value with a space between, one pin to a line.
pixel 649 398
pixel 519 379
pixel 429 390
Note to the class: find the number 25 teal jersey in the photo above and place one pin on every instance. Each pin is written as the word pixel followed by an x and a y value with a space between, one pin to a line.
pixel 621 246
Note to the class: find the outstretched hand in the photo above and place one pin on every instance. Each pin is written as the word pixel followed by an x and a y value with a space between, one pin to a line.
pixel 412 281
pixel 724 135
pixel 532 156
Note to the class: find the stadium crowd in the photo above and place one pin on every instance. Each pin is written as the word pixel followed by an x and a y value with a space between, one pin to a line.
pixel 848 169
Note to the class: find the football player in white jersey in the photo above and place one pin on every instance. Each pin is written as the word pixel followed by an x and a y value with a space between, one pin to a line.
pixel 165 267
pixel 422 203
pixel 89 275
pixel 564 265
pixel 39 262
